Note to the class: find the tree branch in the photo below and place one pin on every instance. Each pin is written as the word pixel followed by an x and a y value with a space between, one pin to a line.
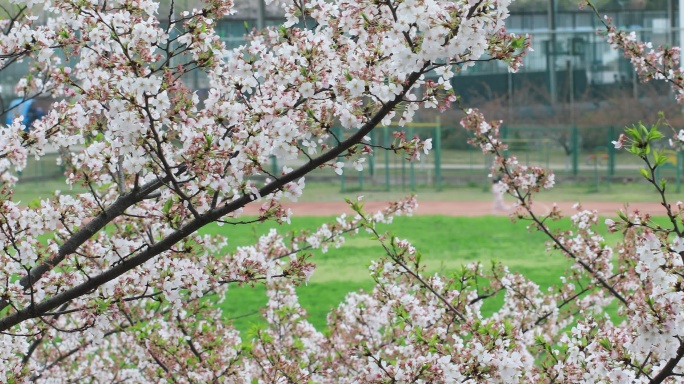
pixel 186 230
pixel 87 231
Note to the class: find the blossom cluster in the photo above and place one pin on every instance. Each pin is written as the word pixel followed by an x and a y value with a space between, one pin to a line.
pixel 118 285
pixel 519 180
pixel 643 276
pixel 144 324
pixel 160 162
pixel 661 63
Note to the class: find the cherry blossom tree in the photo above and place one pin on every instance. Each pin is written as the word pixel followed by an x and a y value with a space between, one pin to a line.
pixel 106 285
pixel 115 285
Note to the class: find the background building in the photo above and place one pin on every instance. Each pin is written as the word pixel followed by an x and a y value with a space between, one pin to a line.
pixel 572 77
pixel 571 98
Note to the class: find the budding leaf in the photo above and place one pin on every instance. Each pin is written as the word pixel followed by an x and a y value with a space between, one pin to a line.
pixel 605 343
pixel 167 206
pixel 644 173
pixel 660 157
pixel 623 216
pixel 518 43
pixel 654 134
pixel 633 133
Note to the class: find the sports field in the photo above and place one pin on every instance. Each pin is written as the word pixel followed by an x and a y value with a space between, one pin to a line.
pixel 447 233
pixel 450 228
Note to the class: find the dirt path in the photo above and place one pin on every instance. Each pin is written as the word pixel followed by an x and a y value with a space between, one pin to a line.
pixel 459 208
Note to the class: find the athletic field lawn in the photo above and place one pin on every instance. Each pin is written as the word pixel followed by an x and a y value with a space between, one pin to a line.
pixel 445 242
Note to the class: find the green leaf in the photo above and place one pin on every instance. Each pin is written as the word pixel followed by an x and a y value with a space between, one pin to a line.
pixel 167 206
pixel 658 157
pixel 34 204
pixel 518 43
pixel 654 134
pixel 539 340
pixel 622 216
pixel 605 343
pixel 633 133
pixel 102 305
pixel 266 337
pixel 644 173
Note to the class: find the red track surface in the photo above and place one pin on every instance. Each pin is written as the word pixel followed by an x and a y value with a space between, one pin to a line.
pixel 458 208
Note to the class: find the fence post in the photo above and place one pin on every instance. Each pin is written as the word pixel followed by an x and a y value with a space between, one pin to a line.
pixel 678 175
pixel 386 144
pixel 575 150
pixel 343 189
pixel 504 136
pixel 547 144
pixel 438 153
pixel 361 180
pixel 403 172
pixel 611 152
pixel 274 166
pixel 412 174
pixel 540 148
pixel 596 174
pixel 371 156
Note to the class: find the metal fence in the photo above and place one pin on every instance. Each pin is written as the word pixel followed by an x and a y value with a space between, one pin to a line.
pixel 572 68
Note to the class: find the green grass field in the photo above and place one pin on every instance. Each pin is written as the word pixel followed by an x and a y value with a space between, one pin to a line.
pixel 445 242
